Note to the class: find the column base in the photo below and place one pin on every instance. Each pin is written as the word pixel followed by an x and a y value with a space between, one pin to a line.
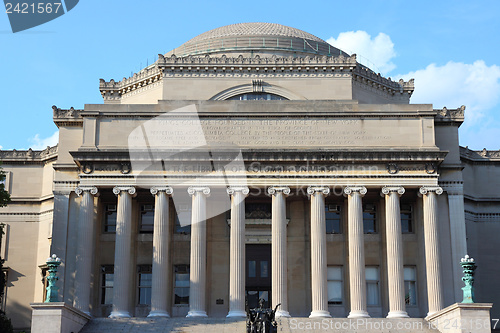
pixel 358 314
pixel 236 314
pixel 158 313
pixel 398 314
pixel 320 314
pixel 282 313
pixel 119 314
pixel 193 314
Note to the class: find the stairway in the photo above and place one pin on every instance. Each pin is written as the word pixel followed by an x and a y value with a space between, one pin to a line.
pixel 285 325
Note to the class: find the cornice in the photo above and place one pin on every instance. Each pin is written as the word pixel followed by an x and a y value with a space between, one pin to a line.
pixel 484 155
pixel 67 117
pixel 29 156
pixel 450 116
pixel 252 67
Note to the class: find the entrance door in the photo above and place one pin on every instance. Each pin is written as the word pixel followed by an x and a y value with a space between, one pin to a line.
pixel 258 274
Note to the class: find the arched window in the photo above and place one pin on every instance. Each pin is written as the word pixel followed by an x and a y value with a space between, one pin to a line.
pixel 258 96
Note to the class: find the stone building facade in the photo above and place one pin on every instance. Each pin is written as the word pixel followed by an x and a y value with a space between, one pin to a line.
pixel 254 161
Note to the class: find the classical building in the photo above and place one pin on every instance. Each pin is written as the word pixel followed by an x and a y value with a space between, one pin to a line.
pixel 253 161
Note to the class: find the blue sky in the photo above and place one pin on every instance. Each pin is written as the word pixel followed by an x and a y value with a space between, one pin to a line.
pixel 451 48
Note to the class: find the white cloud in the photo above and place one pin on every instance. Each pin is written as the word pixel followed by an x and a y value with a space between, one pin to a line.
pixel 379 51
pixel 40 144
pixel 1 147
pixel 477 86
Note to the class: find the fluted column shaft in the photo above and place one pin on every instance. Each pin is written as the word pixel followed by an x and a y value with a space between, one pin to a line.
pixel 319 290
pixel 357 277
pixel 123 255
pixel 197 276
pixel 395 277
pixel 237 252
pixel 279 267
pixel 160 284
pixel 431 239
pixel 85 248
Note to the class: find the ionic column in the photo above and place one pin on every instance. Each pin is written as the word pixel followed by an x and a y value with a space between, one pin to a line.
pixel 237 252
pixel 85 248
pixel 319 290
pixel 357 277
pixel 432 259
pixel 197 276
pixel 395 277
pixel 278 250
pixel 123 255
pixel 160 284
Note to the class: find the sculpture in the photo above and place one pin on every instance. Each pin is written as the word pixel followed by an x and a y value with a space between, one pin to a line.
pixel 262 320
pixel 469 266
pixel 53 263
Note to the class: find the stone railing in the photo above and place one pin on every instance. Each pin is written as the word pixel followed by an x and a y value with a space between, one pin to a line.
pixel 28 155
pixel 446 114
pixel 480 155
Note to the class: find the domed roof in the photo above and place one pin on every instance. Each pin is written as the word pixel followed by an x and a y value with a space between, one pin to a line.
pixel 255 29
pixel 256 38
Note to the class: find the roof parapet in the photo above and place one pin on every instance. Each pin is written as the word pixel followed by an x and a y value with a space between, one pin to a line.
pixel 479 155
pixel 451 115
pixel 29 155
pixel 67 117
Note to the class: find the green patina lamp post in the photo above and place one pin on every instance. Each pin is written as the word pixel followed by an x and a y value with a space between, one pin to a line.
pixel 53 263
pixel 469 266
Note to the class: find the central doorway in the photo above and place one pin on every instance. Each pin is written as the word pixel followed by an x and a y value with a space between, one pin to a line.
pixel 258 274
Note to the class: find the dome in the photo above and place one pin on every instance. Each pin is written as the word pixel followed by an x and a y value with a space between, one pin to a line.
pixel 256 38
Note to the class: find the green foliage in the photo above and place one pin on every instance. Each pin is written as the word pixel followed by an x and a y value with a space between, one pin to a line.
pixel 5 324
pixel 4 195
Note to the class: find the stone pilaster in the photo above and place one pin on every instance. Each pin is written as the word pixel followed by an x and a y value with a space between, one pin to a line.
pixel 160 287
pixel 197 276
pixel 123 255
pixel 395 276
pixel 278 250
pixel 85 248
pixel 431 239
pixel 237 252
pixel 319 290
pixel 357 277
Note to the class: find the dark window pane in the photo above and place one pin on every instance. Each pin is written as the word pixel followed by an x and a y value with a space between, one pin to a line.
pixel 263 269
pixel 110 221
pixel 252 265
pixel 181 295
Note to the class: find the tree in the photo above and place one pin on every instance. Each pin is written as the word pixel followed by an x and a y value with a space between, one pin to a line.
pixel 4 195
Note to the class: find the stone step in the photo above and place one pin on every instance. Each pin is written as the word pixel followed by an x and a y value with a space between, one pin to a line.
pixel 285 325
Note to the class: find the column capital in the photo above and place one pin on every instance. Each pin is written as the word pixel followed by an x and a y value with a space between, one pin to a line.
pixel 243 189
pixel 348 190
pixel 118 189
pixel 311 190
pixel 426 189
pixel 400 190
pixel 91 189
pixel 204 189
pixel 278 189
pixel 167 189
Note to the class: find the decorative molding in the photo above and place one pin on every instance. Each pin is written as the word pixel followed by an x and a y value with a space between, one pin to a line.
pixel 311 190
pixel 479 155
pixel 29 155
pixel 91 189
pixel 450 115
pixel 400 190
pixel 243 189
pixel 482 217
pixel 348 190
pixel 167 189
pixel 118 189
pixel 195 189
pixel 426 189
pixel 392 168
pixel 272 190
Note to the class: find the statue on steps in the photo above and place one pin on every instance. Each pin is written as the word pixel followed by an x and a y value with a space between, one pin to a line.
pixel 261 320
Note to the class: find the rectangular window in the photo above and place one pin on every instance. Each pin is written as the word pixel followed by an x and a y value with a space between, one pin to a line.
pixel 146 223
pixel 333 219
pixel 107 273
pixel 181 284
pixel 410 274
pixel 369 219
pixel 252 268
pixel 406 218
pixel 335 285
pixel 110 218
pixel 184 228
pixel 145 282
pixel 372 286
